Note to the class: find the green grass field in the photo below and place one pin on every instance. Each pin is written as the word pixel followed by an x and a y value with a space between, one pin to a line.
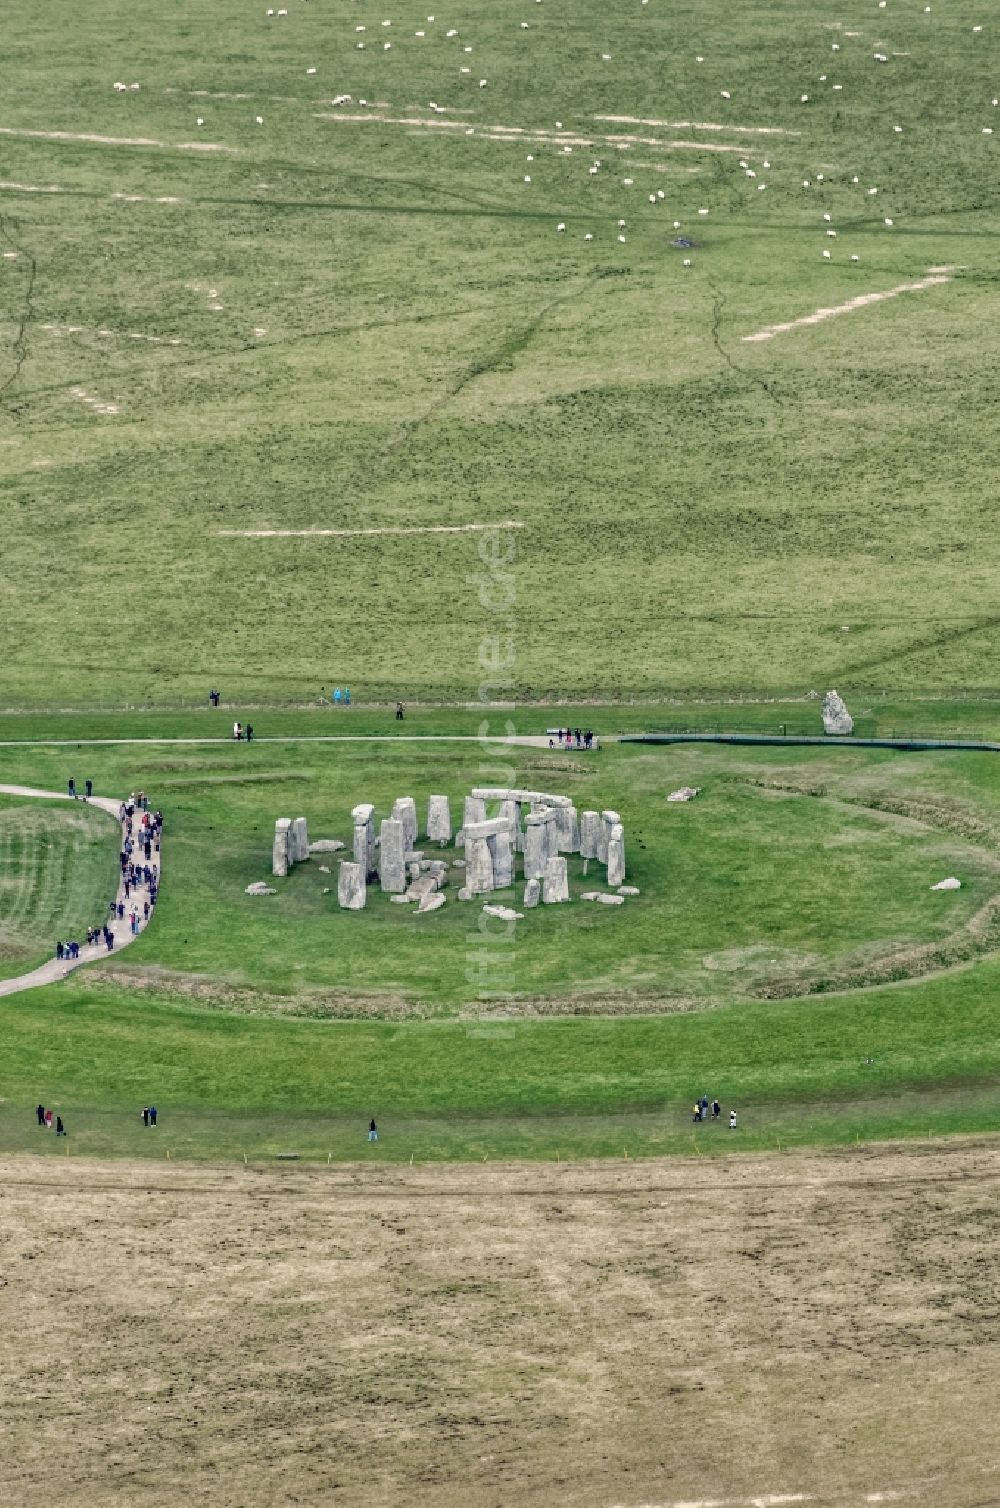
pixel 616 508
pixel 58 871
pixel 785 952
pixel 362 316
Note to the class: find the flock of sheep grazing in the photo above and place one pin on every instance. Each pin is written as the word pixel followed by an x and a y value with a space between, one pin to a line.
pixel 656 197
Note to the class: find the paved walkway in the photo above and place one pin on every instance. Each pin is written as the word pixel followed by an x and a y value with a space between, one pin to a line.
pixel 57 968
pixel 526 740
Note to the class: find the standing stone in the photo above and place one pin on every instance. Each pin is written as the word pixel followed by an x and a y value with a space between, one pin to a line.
pixel 616 856
pixel 608 820
pixel 503 860
pixel 475 810
pixel 556 884
pixel 404 809
pixel 590 825
pixel 351 889
pixel 532 893
pixel 391 866
pixel 567 829
pixel 535 846
pixel 280 857
pixel 510 810
pixel 439 819
pixel 478 866
pixel 298 847
pixel 363 817
pixel 836 718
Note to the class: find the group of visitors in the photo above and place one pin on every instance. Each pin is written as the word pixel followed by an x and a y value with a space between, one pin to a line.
pixel 572 738
pixel 341 698
pixel 703 1111
pixel 213 697
pixel 240 733
pixel 88 789
pixel 149 1115
pixel 45 1119
pixel 141 833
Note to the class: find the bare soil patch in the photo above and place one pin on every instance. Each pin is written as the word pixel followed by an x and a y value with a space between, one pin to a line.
pixel 817 1328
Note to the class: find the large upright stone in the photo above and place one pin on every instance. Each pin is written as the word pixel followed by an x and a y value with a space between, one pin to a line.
pixel 590 827
pixel 391 864
pixel 532 893
pixel 351 889
pixel 474 811
pixel 616 856
pixel 404 809
pixel 478 865
pixel 510 810
pixel 567 831
pixel 608 820
pixel 536 846
pixel 298 845
pixel 280 856
pixel 555 885
pixel 439 819
pixel 503 859
pixel 363 817
pixel 836 718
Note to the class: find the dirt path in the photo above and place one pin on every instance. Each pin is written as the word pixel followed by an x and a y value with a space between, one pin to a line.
pixel 57 968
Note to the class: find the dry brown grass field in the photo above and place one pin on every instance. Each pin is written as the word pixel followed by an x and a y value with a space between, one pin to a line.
pixel 807 1328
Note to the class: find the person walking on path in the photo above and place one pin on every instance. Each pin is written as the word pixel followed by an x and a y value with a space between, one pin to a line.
pixel 40 1112
pixel 48 1120
pixel 88 786
pixel 60 1128
pixel 71 787
pixel 732 1120
pixel 399 712
pixel 372 1130
pixel 249 733
pixel 145 1115
pixel 716 1110
pixel 152 1115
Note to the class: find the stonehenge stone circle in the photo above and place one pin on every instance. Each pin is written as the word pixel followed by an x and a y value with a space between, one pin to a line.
pixel 391 866
pixel 498 823
pixel 351 889
pixel 556 884
pixel 280 854
pixel 439 819
pixel 836 718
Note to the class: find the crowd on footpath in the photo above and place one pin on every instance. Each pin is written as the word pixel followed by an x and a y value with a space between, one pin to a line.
pixel 703 1111
pixel 240 733
pixel 139 863
pixel 572 738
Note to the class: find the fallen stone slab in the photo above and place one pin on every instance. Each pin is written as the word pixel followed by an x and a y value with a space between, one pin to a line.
pixel 504 913
pixel 628 890
pixel 323 868
pixel 686 793
pixel 259 888
pixel 949 884
pixel 402 900
pixel 431 902
pixel 326 845
pixel 465 894
pixel 610 900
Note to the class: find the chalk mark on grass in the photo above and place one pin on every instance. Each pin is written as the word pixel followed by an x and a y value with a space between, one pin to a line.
pixel 506 523
pixel 862 301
